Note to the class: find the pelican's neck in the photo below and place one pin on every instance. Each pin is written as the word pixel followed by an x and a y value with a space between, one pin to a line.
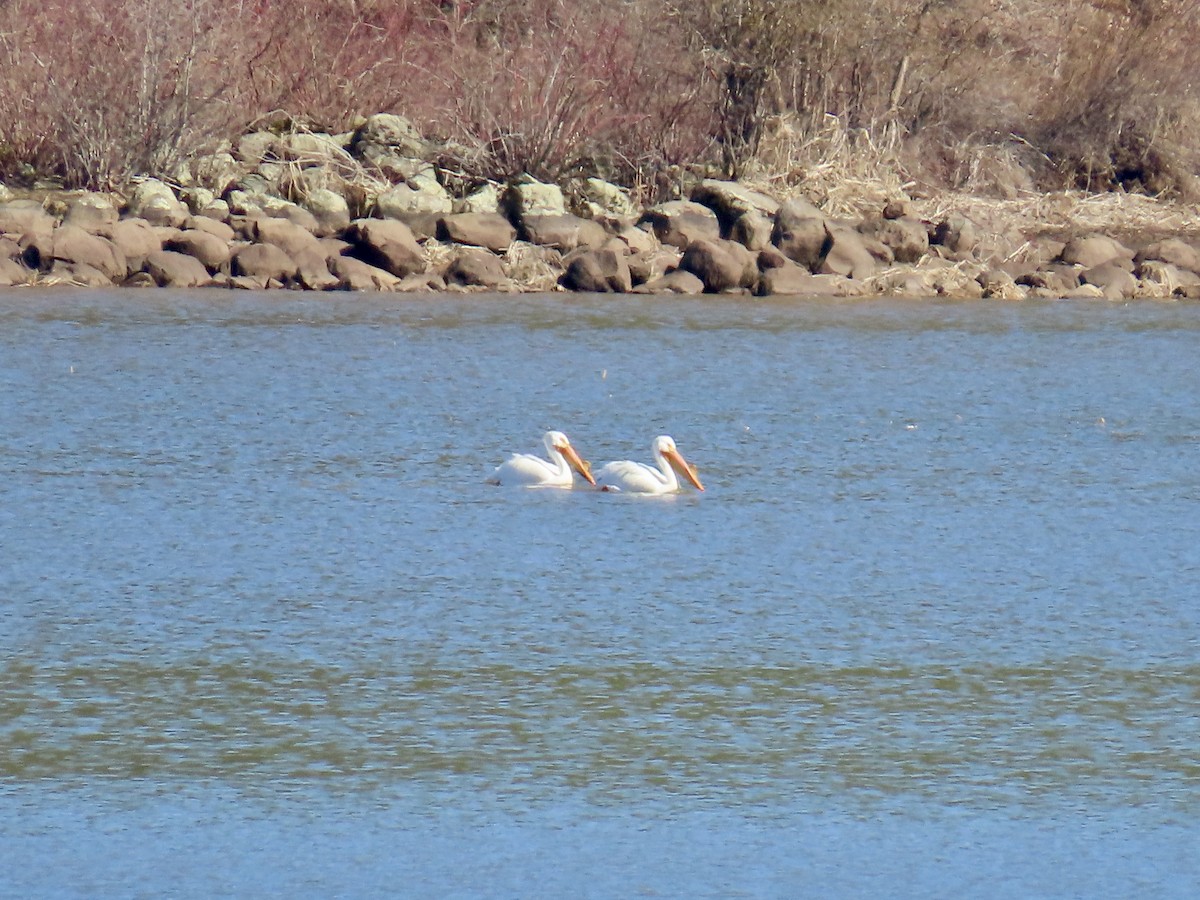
pixel 664 466
pixel 557 460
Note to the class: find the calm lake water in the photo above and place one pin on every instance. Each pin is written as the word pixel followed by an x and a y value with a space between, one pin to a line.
pixel 932 631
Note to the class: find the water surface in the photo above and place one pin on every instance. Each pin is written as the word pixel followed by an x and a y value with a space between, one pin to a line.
pixel 264 629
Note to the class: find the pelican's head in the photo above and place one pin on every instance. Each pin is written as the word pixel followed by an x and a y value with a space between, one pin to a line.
pixel 664 446
pixel 556 442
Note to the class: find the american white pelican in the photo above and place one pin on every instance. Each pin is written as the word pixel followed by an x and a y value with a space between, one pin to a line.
pixel 533 471
pixel 639 478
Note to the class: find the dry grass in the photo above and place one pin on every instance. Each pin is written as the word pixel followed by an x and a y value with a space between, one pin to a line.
pixel 847 101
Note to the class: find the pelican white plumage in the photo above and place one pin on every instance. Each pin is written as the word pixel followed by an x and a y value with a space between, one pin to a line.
pixel 639 478
pixel 528 470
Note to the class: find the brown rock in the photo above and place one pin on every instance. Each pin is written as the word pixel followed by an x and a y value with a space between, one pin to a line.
pixel 1113 279
pixel 94 213
pixel 1056 280
pixel 674 282
pixel 800 233
pixel 490 230
pixel 752 230
pixel 215 227
pixel 264 261
pixel 679 222
pixel 212 252
pixel 1095 250
pixel 906 238
pixel 475 267
pixel 957 233
pixel 730 200
pixel 598 272
pixel 171 269
pixel 648 266
pixel 25 216
pixel 12 272
pixel 388 245
pixel 720 265
pixel 78 273
pixel 846 255
pixel 290 237
pixel 789 279
pixel 1173 251
pixel 136 239
pixel 356 275
pixel 312 270
pixel 565 232
pixel 74 245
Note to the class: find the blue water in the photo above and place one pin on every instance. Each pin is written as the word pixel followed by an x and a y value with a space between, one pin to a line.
pixel 931 630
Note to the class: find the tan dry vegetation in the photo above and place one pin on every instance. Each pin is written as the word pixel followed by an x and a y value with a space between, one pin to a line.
pixel 850 102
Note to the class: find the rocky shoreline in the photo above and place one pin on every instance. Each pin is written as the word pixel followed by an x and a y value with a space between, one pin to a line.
pixel 371 211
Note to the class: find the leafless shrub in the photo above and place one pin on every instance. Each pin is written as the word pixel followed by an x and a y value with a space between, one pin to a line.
pixel 1120 107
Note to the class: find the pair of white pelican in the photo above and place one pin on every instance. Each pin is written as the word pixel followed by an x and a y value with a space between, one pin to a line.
pixel 627 476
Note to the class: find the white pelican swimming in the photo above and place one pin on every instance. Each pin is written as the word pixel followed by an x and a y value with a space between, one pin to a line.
pixel 533 471
pixel 639 478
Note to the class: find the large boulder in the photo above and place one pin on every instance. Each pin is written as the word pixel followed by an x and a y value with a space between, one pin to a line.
pixel 789 279
pixel 289 237
pixel 329 209
pixel 527 197
pixel 136 239
pixel 490 230
pixel 475 267
pixel 1114 279
pixel 388 245
pixel 730 200
pixel 1173 251
pixel 12 272
pixel 155 202
pixel 956 233
pixel 679 222
pixel 598 272
pixel 906 238
pixel 215 227
pixel 564 232
pixel 265 261
pixel 391 131
pixel 846 255
pixel 606 202
pixel 94 213
pixel 1094 250
pixel 800 233
pixel 356 275
pixel 171 269
pixel 676 281
pixel 74 245
pixel 421 193
pixel 209 249
pixel 752 230
pixel 20 217
pixel 721 265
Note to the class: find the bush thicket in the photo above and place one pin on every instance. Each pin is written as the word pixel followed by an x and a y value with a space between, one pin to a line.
pixel 1097 94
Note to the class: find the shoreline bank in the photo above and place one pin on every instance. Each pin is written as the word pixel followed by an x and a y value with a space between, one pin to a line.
pixel 362 212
